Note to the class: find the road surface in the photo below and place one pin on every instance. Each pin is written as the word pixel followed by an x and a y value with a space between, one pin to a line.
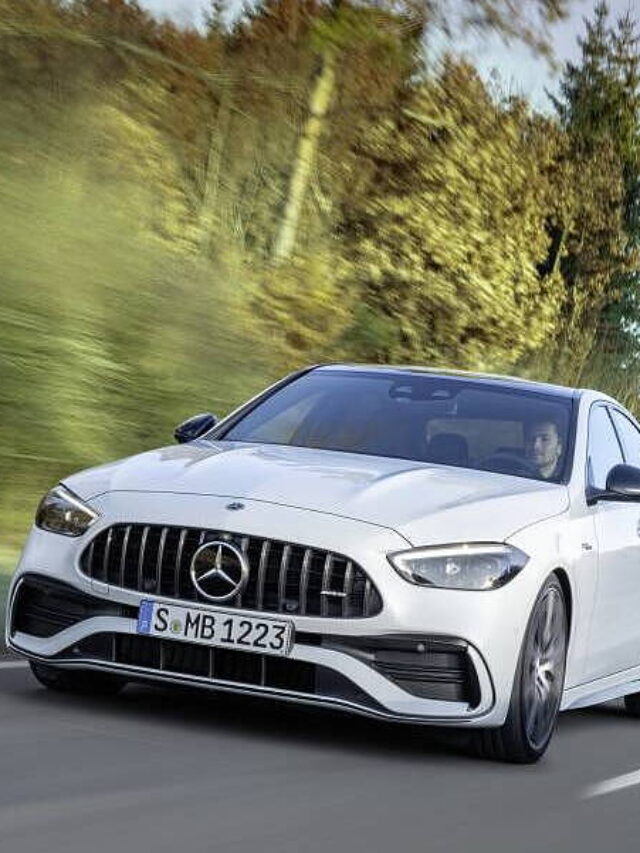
pixel 174 772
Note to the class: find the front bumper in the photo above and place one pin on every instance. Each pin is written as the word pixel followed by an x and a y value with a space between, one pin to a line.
pixel 369 665
pixel 377 676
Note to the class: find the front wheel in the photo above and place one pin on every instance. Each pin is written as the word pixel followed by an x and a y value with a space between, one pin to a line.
pixel 538 685
pixel 83 682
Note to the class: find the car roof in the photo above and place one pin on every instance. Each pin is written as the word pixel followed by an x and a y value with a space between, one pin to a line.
pixel 514 382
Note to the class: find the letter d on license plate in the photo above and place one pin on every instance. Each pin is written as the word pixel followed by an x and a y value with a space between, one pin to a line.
pixel 215 628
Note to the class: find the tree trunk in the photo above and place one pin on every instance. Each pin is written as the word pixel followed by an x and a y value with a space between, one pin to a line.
pixel 306 155
pixel 208 212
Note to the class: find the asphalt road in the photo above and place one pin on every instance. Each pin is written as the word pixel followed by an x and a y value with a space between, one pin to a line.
pixel 159 770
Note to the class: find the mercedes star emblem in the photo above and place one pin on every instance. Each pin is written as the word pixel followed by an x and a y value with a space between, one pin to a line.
pixel 219 570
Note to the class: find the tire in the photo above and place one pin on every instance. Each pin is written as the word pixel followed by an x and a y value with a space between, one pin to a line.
pixel 538 684
pixel 632 704
pixel 77 681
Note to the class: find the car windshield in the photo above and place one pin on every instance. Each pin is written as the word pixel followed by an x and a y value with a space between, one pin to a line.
pixel 455 421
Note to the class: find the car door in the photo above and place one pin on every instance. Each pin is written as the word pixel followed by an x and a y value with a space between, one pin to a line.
pixel 614 643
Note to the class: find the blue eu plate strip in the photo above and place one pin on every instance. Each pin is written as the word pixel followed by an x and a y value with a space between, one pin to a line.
pixel 145 616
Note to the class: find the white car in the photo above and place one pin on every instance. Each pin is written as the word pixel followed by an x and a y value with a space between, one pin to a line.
pixel 414 545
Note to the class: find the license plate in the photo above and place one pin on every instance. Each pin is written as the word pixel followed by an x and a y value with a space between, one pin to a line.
pixel 215 628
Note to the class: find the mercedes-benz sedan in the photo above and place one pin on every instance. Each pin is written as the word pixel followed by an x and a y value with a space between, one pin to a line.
pixel 421 546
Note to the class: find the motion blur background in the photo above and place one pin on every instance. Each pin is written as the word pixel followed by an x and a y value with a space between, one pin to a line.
pixel 191 207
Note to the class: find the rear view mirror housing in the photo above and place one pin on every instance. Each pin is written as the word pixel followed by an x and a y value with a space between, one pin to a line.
pixel 194 427
pixel 623 484
pixel 624 481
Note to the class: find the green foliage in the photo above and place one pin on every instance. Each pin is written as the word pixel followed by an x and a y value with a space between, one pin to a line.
pixel 447 242
pixel 145 171
pixel 305 307
pixel 113 327
pixel 599 109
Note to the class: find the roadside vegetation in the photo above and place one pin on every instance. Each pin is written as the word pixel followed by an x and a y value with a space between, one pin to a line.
pixel 187 214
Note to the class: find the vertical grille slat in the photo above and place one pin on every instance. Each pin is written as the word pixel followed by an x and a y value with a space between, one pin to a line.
pixel 244 547
pixel 304 580
pixel 90 551
pixel 107 552
pixel 143 548
pixel 123 553
pixel 159 559
pixel 284 577
pixel 178 562
pixel 262 570
pixel 347 588
pixel 367 597
pixel 326 584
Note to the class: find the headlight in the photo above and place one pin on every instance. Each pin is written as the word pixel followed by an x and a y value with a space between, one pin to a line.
pixel 60 511
pixel 478 566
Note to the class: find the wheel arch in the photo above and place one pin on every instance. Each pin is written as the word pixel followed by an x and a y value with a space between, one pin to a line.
pixel 565 584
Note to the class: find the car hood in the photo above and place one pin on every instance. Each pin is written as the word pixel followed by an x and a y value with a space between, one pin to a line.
pixel 424 502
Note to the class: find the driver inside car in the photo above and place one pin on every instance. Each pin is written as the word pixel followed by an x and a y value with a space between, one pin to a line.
pixel 543 447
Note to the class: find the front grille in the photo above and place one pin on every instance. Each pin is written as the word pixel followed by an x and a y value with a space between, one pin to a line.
pixel 284 577
pixel 44 606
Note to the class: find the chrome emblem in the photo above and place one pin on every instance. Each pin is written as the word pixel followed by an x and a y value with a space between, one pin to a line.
pixel 219 570
pixel 235 505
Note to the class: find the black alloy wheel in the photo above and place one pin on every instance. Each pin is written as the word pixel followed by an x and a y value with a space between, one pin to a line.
pixel 79 681
pixel 538 685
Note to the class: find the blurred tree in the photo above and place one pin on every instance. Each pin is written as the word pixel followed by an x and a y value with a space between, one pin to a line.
pixel 599 107
pixel 342 26
pixel 444 249
pixel 112 328
pixel 151 172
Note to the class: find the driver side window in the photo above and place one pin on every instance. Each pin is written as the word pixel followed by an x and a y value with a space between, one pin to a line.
pixel 604 448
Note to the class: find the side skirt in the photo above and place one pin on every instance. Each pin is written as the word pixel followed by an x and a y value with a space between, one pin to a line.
pixel 602 690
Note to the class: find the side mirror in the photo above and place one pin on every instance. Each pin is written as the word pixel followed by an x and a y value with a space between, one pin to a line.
pixel 194 427
pixel 623 483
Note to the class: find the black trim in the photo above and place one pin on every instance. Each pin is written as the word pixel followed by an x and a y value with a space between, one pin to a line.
pixel 43 606
pixel 228 666
pixel 437 668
